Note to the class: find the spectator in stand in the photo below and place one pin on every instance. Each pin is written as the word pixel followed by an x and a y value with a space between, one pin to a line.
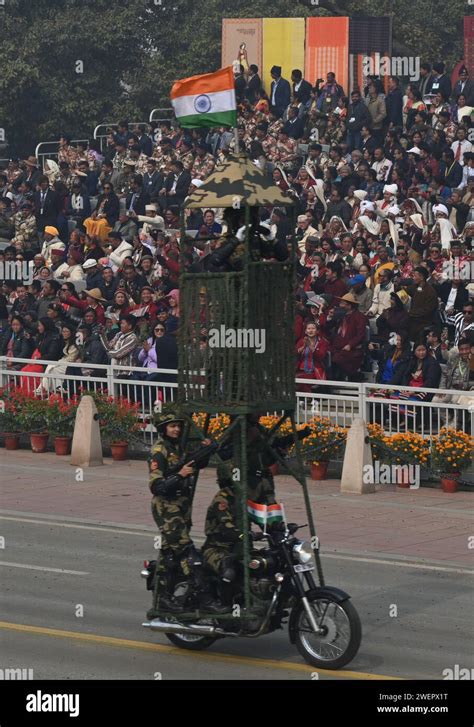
pixel 311 353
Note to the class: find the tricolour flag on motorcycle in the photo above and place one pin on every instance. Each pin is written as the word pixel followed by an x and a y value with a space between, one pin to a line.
pixel 264 514
pixel 206 100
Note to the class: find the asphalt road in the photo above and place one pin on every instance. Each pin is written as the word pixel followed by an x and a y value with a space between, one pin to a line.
pixel 417 620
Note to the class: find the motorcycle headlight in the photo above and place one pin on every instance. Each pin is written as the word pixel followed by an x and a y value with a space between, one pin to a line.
pixel 302 552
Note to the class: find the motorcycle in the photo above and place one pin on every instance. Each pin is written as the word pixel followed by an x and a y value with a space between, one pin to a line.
pixel 322 622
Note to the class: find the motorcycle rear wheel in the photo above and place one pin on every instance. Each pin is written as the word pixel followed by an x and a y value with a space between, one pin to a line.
pixel 191 642
pixel 341 640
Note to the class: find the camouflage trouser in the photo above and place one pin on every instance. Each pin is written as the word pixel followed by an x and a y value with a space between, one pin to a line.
pixel 173 518
pixel 213 555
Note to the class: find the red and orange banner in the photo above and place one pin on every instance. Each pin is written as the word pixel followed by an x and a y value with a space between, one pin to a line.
pixel 327 49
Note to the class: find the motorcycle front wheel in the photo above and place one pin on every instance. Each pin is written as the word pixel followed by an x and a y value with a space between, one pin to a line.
pixel 341 634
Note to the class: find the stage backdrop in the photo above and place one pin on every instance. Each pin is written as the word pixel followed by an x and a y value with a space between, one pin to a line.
pixel 327 49
pixel 283 45
pixel 235 33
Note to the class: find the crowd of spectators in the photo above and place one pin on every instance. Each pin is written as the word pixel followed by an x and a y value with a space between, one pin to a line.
pixel 383 185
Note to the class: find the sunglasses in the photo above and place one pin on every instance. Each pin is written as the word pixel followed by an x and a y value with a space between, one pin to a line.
pixel 159 330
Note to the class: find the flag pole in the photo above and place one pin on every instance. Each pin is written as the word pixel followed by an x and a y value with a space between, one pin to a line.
pixel 236 139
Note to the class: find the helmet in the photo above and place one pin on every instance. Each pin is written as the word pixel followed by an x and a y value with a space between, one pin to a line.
pixel 165 419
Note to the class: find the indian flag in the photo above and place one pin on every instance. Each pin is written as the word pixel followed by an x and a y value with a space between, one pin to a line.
pixel 207 100
pixel 264 514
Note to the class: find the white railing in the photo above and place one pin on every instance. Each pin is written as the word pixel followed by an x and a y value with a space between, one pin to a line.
pixel 339 401
pixel 167 110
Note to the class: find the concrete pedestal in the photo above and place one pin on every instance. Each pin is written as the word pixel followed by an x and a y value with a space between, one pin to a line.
pixel 357 471
pixel 86 442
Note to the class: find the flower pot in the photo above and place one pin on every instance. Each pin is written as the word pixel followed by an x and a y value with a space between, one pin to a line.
pixel 319 470
pixel 62 445
pixel 39 442
pixel 119 451
pixel 403 478
pixel 449 482
pixel 275 468
pixel 12 440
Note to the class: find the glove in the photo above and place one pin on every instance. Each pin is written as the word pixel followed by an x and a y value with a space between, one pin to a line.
pixel 240 234
pixel 170 487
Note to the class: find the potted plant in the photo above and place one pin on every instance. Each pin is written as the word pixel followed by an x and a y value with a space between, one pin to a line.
pixel 118 419
pixel 60 418
pixel 451 453
pixel 407 448
pixel 323 444
pixel 11 400
pixel 32 419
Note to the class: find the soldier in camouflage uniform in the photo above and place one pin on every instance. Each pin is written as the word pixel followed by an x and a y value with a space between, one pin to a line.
pixel 204 162
pixel 223 536
pixel 164 156
pixel 26 231
pixel 222 533
pixel 171 509
pixel 185 155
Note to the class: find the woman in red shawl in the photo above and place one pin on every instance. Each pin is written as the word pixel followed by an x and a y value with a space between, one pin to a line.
pixel 311 352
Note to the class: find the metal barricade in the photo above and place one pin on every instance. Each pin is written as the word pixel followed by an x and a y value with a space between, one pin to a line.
pixel 339 401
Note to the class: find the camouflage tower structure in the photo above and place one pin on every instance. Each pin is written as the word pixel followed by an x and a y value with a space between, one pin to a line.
pixel 248 365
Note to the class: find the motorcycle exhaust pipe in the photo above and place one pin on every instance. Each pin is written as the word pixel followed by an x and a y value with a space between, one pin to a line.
pixel 176 628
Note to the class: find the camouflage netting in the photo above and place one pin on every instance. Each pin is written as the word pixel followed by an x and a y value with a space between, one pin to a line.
pixel 236 181
pixel 248 364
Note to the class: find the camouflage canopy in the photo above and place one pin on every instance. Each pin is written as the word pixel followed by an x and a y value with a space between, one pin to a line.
pixel 238 179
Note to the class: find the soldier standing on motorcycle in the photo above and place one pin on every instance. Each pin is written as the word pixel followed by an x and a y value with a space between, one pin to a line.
pixel 171 506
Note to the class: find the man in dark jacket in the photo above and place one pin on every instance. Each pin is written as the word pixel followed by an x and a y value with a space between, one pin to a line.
pixel 240 84
pixel 424 303
pixel 294 127
pixel 46 205
pixel 137 199
pixel 301 88
pixel 357 117
pixel 338 207
pixel 48 295
pixel 441 81
pixel 394 103
pixel 465 86
pixel 152 179
pixel 176 186
pixel 280 92
pixel 450 170
pixel 92 350
pixel 24 302
pixel 254 84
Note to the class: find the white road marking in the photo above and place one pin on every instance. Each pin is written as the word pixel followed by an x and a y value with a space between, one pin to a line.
pixel 400 563
pixel 200 539
pixel 43 568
